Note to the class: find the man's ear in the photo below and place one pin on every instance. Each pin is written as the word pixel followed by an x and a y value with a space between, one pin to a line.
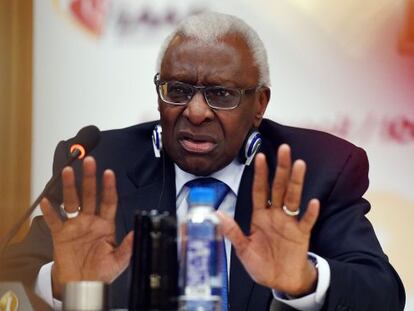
pixel 263 100
pixel 158 104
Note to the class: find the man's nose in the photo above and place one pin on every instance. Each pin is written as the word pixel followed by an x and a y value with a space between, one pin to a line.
pixel 197 110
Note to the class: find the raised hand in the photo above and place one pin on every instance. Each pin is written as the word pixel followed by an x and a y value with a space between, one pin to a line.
pixel 275 252
pixel 85 246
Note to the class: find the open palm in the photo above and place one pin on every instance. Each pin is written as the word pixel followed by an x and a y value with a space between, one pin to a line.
pixel 85 246
pixel 275 252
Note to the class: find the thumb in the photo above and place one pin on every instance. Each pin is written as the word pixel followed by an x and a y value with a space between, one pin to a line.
pixel 231 230
pixel 124 251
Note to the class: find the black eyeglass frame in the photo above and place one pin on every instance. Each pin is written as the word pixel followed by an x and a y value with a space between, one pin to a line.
pixel 201 88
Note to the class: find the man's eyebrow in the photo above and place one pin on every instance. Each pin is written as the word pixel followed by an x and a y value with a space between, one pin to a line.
pixel 211 80
pixel 224 82
pixel 179 77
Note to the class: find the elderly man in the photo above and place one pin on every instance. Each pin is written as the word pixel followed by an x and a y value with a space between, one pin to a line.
pixel 297 241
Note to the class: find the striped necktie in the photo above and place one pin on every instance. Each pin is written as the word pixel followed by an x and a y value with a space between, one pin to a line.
pixel 221 190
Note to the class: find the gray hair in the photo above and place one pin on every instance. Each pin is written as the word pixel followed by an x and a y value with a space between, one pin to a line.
pixel 208 27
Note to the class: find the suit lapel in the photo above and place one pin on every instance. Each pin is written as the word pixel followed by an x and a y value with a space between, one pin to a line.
pixel 241 284
pixel 152 191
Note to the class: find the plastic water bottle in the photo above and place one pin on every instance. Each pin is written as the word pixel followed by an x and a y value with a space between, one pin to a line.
pixel 200 277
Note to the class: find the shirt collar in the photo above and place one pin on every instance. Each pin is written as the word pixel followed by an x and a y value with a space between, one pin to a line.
pixel 230 175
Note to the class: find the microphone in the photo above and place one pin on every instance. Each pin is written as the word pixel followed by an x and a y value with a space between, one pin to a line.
pixel 84 142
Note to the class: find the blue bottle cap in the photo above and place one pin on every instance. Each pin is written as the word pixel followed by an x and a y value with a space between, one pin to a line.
pixel 201 196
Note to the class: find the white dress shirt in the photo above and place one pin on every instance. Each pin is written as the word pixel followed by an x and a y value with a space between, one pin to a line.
pixel 230 175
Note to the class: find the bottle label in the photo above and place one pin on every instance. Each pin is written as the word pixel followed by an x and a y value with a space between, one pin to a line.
pixel 198 268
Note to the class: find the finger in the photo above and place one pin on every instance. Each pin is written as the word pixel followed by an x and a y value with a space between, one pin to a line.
pixel 70 195
pixel 232 231
pixel 311 215
pixel 124 251
pixel 89 186
pixel 295 186
pixel 260 183
pixel 52 219
pixel 282 175
pixel 109 196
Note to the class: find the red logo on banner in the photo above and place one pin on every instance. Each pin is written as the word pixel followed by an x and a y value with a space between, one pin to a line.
pixel 394 129
pixel 401 130
pixel 90 14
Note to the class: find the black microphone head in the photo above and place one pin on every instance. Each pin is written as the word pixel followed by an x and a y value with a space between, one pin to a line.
pixel 88 137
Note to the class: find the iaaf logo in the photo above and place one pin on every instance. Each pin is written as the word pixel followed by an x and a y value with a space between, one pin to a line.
pixel 126 18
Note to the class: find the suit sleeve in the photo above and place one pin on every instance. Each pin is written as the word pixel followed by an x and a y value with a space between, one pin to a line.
pixel 22 261
pixel 361 276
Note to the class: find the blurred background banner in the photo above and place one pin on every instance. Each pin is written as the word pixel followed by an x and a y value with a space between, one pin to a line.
pixel 346 67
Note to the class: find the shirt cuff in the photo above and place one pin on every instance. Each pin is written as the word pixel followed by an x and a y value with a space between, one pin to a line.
pixel 315 300
pixel 43 286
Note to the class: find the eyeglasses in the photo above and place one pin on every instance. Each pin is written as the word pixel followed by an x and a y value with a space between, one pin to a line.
pixel 217 97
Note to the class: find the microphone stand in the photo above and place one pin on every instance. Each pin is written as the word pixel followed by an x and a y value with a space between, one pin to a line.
pixel 7 238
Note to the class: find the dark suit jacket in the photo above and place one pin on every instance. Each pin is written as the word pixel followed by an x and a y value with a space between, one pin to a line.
pixel 337 174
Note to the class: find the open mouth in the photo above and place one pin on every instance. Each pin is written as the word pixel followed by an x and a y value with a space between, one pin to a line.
pixel 197 146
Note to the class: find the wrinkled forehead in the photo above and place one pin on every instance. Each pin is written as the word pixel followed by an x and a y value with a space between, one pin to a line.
pixel 224 57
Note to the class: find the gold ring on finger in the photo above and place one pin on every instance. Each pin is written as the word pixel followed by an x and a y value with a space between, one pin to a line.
pixel 290 212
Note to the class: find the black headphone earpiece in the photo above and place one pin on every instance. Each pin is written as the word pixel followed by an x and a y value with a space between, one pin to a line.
pixel 249 149
pixel 156 140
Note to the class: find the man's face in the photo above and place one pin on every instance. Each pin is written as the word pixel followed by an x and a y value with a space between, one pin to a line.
pixel 199 139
